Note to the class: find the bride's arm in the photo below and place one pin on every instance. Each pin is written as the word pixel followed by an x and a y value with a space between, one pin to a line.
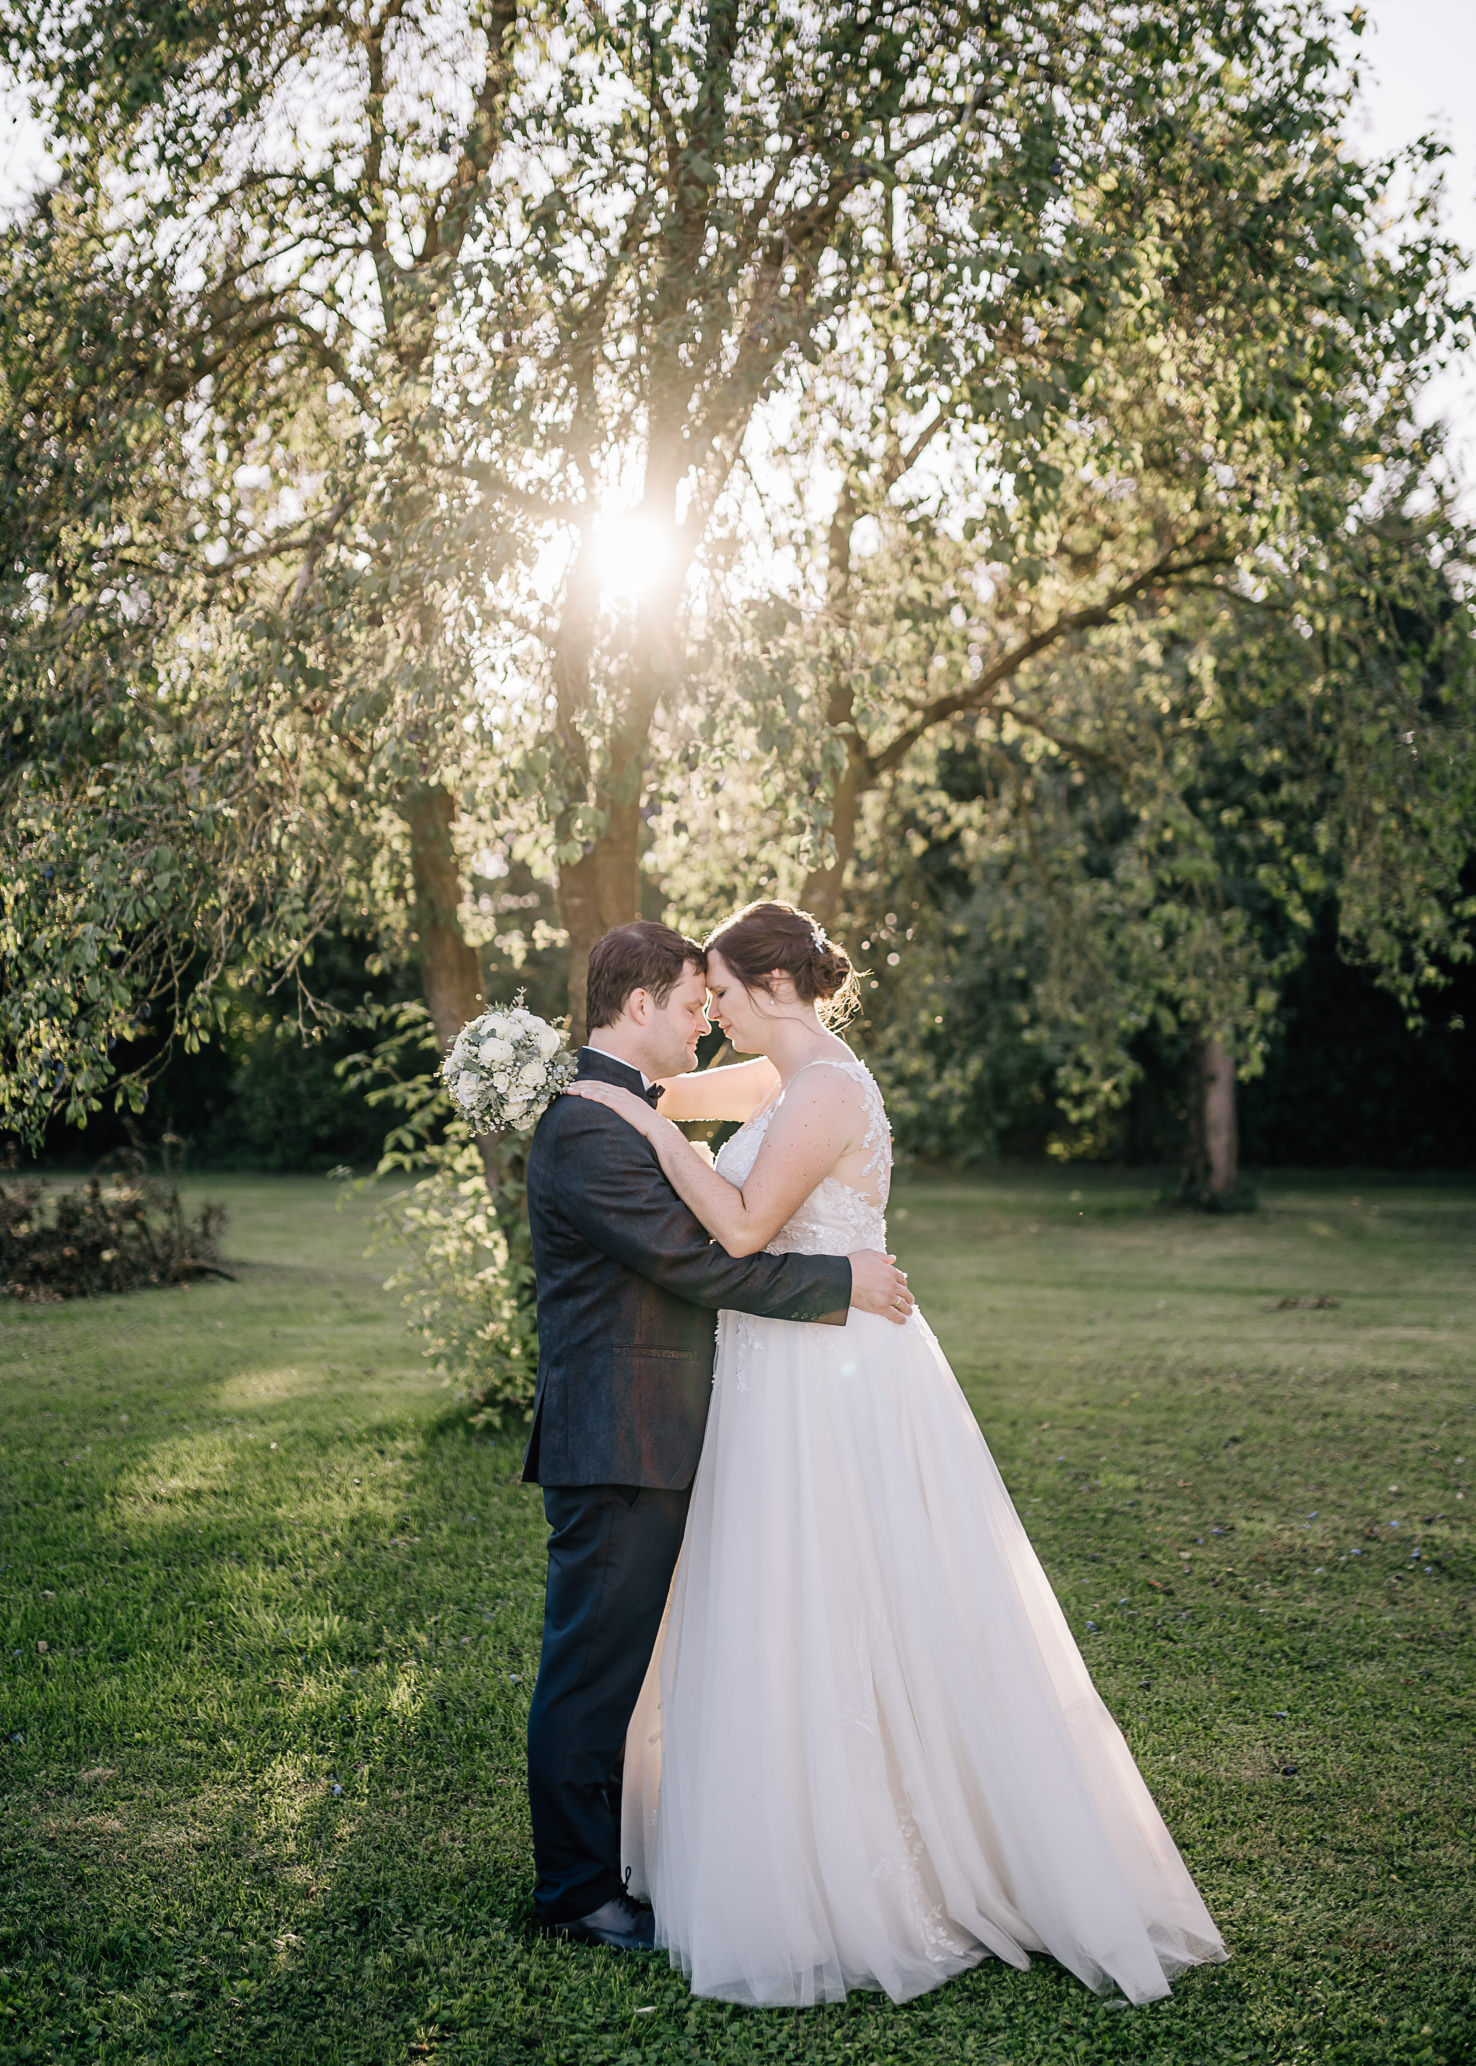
pixel 735 1092
pixel 813 1128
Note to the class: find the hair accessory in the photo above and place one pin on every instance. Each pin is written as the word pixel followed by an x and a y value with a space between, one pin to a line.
pixel 818 939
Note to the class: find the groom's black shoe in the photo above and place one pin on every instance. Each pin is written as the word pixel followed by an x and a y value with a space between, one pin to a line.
pixel 623 1924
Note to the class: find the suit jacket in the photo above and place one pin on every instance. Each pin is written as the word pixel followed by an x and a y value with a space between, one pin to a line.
pixel 628 1281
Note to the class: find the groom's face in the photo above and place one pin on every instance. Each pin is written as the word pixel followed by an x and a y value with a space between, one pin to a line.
pixel 674 1028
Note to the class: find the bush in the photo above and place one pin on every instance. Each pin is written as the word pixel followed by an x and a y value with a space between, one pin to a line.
pixel 282 1104
pixel 121 1231
pixel 468 1286
pixel 468 1283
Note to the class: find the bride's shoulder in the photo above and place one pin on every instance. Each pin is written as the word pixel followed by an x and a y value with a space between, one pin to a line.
pixel 839 1057
pixel 837 1077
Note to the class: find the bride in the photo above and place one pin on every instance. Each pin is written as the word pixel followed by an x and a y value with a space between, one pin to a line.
pixel 867 1751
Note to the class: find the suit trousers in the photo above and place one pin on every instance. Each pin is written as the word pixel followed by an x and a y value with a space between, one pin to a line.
pixel 610 1558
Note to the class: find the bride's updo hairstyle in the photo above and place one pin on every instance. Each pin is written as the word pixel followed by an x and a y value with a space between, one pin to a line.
pixel 771 938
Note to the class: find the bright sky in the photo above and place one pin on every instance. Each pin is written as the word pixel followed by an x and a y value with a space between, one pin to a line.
pixel 1419 62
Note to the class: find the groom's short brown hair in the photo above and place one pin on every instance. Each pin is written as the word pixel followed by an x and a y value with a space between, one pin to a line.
pixel 642 956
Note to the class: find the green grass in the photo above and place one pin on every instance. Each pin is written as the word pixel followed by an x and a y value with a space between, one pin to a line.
pixel 263 1784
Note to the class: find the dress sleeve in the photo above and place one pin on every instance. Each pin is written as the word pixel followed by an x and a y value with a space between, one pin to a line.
pixel 612 1191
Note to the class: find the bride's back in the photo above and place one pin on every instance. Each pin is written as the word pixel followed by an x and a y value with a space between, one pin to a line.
pixel 847 1208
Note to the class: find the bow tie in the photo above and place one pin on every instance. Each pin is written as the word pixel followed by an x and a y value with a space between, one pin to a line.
pixel 656 1091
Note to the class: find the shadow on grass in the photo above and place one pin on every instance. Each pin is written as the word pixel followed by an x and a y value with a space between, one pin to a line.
pixel 233 1630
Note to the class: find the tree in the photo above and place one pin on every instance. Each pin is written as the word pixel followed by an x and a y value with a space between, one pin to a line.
pixel 1240 450
pixel 238 650
pixel 360 325
pixel 1143 841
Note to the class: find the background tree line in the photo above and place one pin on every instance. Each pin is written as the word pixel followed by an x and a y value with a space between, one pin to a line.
pixel 1006 425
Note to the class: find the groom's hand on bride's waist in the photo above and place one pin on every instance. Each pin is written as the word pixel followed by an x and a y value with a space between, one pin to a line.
pixel 878 1286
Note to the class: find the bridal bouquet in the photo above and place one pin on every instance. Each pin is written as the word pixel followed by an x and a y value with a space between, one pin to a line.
pixel 504 1067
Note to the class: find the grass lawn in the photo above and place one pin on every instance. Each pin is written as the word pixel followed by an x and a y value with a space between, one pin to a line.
pixel 271 1624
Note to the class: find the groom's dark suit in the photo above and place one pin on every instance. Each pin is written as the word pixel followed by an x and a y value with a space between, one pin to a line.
pixel 628 1281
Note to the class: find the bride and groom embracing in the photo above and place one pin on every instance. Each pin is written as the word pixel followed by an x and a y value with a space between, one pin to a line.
pixel 803 1682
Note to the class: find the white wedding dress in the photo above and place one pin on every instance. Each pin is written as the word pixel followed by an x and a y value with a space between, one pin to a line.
pixel 867 1751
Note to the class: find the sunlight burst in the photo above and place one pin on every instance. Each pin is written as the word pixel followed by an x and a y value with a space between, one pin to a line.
pixel 634 553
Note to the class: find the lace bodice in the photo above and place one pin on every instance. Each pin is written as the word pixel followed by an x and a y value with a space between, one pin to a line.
pixel 836 1217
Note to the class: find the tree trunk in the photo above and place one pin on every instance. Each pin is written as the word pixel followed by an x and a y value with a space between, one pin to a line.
pixel 600 889
pixel 1213 1172
pixel 450 970
pixel 821 894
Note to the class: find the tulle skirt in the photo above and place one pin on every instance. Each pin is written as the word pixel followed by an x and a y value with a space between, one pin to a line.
pixel 867 1751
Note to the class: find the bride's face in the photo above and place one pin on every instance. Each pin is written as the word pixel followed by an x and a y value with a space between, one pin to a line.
pixel 746 1016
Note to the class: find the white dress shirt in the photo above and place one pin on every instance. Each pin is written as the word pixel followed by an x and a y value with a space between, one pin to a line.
pixel 646 1080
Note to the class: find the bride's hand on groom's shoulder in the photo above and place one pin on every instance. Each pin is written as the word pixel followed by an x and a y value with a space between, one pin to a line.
pixel 624 1103
pixel 878 1286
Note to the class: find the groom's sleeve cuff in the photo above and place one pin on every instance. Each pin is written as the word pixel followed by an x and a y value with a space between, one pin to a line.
pixel 838 1315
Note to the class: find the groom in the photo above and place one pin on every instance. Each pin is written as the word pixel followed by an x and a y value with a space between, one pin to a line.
pixel 628 1283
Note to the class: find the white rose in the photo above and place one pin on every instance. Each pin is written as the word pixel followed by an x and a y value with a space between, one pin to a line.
pixel 533 1074
pixel 550 1040
pixel 467 1087
pixel 497 1025
pixel 493 1051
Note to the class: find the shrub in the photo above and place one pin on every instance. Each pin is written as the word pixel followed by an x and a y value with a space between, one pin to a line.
pixel 122 1230
pixel 467 1283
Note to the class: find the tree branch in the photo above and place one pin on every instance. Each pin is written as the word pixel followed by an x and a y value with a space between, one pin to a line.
pixel 312 539
pixel 907 456
pixel 549 509
pixel 978 694
pixel 794 245
pixel 1078 749
pixel 445 232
